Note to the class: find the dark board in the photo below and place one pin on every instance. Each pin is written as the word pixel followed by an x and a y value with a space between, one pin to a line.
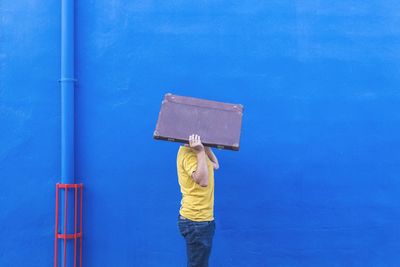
pixel 218 124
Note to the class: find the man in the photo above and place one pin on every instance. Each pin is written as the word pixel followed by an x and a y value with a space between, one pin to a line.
pixel 195 166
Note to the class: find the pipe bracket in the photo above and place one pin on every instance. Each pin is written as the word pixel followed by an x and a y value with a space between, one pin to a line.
pixel 68 80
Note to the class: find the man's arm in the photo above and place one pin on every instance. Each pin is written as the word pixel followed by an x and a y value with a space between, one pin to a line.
pixel 212 157
pixel 200 176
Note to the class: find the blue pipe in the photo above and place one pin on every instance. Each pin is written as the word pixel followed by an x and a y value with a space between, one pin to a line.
pixel 67 125
pixel 67 92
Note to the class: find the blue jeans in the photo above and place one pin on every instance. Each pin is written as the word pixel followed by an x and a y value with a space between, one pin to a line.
pixel 198 236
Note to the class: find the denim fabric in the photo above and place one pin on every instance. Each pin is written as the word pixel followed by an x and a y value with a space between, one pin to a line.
pixel 198 236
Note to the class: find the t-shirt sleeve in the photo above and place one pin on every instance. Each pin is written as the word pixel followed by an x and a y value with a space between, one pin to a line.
pixel 190 164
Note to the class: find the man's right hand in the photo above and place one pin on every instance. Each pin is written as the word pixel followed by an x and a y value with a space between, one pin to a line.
pixel 195 143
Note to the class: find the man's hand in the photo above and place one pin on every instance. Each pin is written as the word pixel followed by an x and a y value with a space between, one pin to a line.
pixel 195 143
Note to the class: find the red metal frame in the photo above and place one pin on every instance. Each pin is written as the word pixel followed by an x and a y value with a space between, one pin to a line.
pixel 78 190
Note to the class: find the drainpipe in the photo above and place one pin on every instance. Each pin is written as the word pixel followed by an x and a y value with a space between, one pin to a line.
pixel 67 92
pixel 67 128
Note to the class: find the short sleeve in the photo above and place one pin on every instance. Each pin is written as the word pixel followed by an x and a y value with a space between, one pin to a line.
pixel 190 164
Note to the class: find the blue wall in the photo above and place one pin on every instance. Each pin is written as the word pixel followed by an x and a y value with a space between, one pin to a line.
pixel 316 182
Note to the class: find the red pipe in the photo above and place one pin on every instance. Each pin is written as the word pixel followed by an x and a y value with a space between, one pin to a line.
pixel 81 227
pixel 65 226
pixel 75 221
pixel 56 230
pixel 78 189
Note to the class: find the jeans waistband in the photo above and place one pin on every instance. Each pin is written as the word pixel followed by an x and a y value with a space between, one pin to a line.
pixel 180 217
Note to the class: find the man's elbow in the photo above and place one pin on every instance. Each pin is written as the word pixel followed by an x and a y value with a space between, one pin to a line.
pixel 200 179
pixel 203 183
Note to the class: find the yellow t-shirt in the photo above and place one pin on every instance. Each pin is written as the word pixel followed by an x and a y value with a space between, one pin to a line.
pixel 197 202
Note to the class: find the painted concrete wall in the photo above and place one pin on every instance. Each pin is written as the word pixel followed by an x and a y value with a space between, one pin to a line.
pixel 316 182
